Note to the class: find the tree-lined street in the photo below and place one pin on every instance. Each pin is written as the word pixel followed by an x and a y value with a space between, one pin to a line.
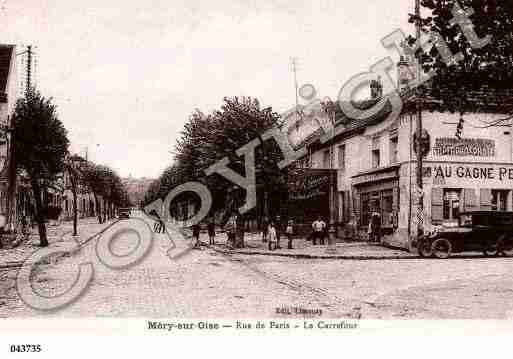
pixel 207 284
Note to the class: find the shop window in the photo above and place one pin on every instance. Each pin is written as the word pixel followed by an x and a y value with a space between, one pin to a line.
pixel 393 150
pixel 365 209
pixel 451 204
pixel 499 200
pixel 342 157
pixel 375 158
pixel 387 207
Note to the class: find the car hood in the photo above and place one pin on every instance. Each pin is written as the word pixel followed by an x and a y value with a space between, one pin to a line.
pixel 454 230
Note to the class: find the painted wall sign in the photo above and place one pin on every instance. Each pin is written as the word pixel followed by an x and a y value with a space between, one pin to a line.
pixel 439 172
pixel 451 146
pixel 311 183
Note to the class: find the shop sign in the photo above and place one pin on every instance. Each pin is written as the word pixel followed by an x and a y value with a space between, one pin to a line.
pixel 375 177
pixel 440 172
pixel 310 183
pixel 451 146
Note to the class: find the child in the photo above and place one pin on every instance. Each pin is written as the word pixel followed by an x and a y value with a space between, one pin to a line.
pixel 273 239
pixel 195 235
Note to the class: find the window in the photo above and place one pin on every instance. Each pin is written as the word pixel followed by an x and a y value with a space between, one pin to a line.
pixel 342 157
pixel 365 209
pixel 387 199
pixel 499 200
pixel 451 204
pixel 393 150
pixel 326 163
pixel 375 158
pixel 304 162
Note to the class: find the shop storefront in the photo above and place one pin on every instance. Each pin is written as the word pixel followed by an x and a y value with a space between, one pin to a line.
pixel 377 191
pixel 309 194
pixel 458 187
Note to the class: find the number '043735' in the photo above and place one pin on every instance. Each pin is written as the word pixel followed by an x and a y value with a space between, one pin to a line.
pixel 25 348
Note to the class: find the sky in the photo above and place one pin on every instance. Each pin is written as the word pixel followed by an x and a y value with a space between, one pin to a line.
pixel 126 74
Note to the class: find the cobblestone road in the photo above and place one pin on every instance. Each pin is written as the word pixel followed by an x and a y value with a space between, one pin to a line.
pixel 206 284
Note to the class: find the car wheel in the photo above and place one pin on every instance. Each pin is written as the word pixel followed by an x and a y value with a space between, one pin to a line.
pixel 441 248
pixel 491 249
pixel 505 246
pixel 424 248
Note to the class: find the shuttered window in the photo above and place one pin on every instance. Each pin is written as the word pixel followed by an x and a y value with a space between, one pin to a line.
pixel 437 204
pixel 470 199
pixel 485 199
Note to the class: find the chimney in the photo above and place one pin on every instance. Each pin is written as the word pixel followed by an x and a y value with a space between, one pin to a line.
pixel 405 74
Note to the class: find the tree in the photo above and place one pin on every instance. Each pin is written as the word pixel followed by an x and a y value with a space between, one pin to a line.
pixel 104 181
pixel 489 67
pixel 71 165
pixel 208 138
pixel 41 145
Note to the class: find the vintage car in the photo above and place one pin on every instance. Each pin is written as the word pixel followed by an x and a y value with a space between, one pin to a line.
pixel 488 232
pixel 124 213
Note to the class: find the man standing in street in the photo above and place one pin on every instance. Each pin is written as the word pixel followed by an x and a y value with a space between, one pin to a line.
pixel 231 230
pixel 279 229
pixel 211 232
pixel 324 232
pixel 318 230
pixel 375 226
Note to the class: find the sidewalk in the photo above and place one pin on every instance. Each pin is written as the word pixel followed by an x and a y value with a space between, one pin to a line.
pixel 12 257
pixel 305 249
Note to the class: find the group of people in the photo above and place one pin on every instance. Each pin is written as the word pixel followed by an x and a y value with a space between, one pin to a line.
pixel 319 228
pixel 272 234
pixel 211 229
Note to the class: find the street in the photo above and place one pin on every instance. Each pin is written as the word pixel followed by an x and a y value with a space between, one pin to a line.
pixel 206 284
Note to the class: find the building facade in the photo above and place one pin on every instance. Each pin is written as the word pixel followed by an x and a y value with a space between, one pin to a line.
pixel 375 164
pixel 7 106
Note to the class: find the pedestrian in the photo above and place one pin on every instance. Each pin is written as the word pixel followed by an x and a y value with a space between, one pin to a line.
pixel 289 232
pixel 195 234
pixel 265 230
pixel 376 226
pixel 162 226
pixel 279 229
pixel 318 229
pixel 231 228
pixel 324 232
pixel 24 225
pixel 211 228
pixel 273 239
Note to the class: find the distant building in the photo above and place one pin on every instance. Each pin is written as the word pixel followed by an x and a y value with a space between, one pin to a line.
pixel 136 188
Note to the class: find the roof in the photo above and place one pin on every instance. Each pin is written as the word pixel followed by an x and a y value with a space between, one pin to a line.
pixel 349 125
pixel 6 52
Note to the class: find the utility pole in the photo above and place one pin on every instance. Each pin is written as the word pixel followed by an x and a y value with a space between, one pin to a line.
pixel 331 248
pixel 29 69
pixel 11 188
pixel 420 206
pixel 294 70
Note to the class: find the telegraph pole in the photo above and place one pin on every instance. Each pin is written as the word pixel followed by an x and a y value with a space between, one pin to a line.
pixel 29 69
pixel 11 196
pixel 420 206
